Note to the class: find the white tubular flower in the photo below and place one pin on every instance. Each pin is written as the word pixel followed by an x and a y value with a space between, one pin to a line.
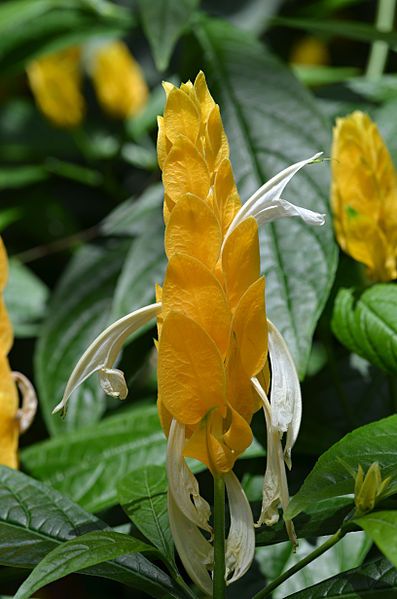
pixel 240 544
pixel 27 411
pixel 282 415
pixel 102 354
pixel 266 203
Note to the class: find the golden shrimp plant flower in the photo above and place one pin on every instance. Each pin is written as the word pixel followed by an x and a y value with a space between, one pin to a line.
pixel 364 195
pixel 13 420
pixel 214 340
pixel 56 81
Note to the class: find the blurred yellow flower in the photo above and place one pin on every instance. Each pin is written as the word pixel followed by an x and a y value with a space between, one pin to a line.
pixel 214 338
pixel 309 50
pixel 56 81
pixel 119 83
pixel 364 195
pixel 13 420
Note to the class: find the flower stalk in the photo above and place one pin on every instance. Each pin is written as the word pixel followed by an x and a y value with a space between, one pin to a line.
pixel 219 538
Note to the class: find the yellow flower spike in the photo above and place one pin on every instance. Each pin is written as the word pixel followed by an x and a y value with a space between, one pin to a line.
pixel 119 84
pixel 368 489
pixel 13 420
pixel 56 82
pixel 214 340
pixel 364 195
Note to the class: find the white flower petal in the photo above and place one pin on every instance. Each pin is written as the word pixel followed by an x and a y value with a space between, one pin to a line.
pixel 102 352
pixel 284 209
pixel 286 398
pixel 113 382
pixel 182 483
pixel 268 196
pixel 240 544
pixel 28 410
pixel 195 551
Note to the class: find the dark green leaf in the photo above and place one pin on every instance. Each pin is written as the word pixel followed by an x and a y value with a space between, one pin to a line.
pixel 366 324
pixel 79 311
pixel 321 518
pixel 382 528
pixel 34 519
pixel 331 476
pixel 374 580
pixel 163 22
pixel 77 554
pixel 26 298
pixel 349 29
pixel 21 176
pixel 143 496
pixel 272 121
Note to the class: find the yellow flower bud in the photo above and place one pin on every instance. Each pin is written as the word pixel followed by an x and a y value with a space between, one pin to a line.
pixel 118 80
pixel 55 81
pixel 309 50
pixel 369 489
pixel 364 195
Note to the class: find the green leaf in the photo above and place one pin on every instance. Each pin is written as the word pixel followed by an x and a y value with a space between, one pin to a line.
pixel 35 519
pixel 86 550
pixel 79 311
pixel 374 580
pixel 272 121
pixel 348 553
pixel 163 22
pixel 331 476
pixel 321 74
pixel 382 528
pixel 349 29
pixel 143 496
pixel 366 324
pixel 111 448
pixel 321 518
pixel 14 177
pixel 26 298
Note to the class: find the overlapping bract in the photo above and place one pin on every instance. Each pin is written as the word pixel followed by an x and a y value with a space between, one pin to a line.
pixel 212 327
pixel 364 195
pixel 56 82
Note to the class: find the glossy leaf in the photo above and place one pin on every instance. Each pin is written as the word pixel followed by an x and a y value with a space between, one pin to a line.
pixel 376 579
pixel 112 448
pixel 26 297
pixel 348 553
pixel 86 550
pixel 382 528
pixel 266 113
pixel 143 496
pixel 35 519
pixel 331 476
pixel 163 22
pixel 366 324
pixel 79 311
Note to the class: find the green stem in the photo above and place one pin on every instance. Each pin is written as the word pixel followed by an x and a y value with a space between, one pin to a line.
pixel 379 50
pixel 301 564
pixel 219 538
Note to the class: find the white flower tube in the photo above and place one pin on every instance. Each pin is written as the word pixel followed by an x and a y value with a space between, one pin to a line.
pixel 27 411
pixel 102 354
pixel 266 203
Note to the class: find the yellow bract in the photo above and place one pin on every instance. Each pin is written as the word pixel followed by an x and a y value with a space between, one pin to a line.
pixel 369 489
pixel 56 83
pixel 118 81
pixel 212 327
pixel 364 195
pixel 9 425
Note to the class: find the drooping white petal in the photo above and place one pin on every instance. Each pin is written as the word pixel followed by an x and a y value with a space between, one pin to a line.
pixel 284 209
pixel 28 410
pixel 196 553
pixel 102 352
pixel 113 382
pixel 286 399
pixel 240 544
pixel 182 483
pixel 268 198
